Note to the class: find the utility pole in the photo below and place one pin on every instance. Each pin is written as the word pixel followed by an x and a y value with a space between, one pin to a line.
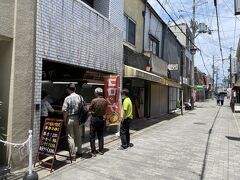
pixel 194 29
pixel 181 71
pixel 213 78
pixel 230 58
pixel 216 87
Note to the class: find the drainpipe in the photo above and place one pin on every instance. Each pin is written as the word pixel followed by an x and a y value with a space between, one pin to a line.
pixel 144 15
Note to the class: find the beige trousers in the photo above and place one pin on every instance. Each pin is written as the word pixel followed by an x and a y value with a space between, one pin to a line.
pixel 74 135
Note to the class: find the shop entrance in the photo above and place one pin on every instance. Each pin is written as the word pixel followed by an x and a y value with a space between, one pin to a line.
pixel 5 74
pixel 55 77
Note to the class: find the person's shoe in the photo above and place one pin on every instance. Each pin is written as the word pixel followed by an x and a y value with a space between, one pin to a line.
pixel 122 148
pixel 73 158
pixel 130 145
pixel 78 155
pixel 100 152
pixel 93 153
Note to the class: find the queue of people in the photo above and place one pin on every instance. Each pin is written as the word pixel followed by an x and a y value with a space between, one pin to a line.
pixel 97 109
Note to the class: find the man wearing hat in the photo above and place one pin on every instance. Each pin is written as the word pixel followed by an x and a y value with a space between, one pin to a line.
pixel 70 116
pixel 97 109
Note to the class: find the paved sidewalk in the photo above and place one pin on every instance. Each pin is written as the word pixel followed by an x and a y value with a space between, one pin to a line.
pixel 223 158
pixel 174 149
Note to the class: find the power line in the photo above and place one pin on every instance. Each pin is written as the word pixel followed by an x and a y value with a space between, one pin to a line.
pixel 219 38
pixel 204 64
pixel 185 9
pixel 182 30
pixel 208 15
pixel 190 40
pixel 230 9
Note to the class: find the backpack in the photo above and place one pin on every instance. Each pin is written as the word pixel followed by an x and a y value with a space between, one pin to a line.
pixel 82 112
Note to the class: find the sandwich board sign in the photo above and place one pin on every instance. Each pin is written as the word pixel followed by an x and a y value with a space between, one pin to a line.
pixel 49 141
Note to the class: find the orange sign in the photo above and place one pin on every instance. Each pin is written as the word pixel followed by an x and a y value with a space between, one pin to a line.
pixel 112 95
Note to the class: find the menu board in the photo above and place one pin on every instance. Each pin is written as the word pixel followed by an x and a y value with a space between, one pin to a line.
pixel 50 136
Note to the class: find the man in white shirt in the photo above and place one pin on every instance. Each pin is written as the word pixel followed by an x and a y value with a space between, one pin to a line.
pixel 71 120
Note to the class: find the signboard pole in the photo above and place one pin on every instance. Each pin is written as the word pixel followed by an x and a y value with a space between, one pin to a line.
pixel 30 175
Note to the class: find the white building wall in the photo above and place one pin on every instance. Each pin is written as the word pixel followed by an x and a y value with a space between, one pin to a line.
pixel 180 36
pixel 116 11
pixel 69 31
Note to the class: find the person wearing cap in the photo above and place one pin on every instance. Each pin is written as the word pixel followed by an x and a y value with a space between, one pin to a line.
pixel 97 109
pixel 127 116
pixel 70 117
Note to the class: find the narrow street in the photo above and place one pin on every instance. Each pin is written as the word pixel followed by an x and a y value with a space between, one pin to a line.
pixel 202 144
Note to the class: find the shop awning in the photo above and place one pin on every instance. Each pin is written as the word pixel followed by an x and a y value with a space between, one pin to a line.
pixel 131 72
pixel 172 83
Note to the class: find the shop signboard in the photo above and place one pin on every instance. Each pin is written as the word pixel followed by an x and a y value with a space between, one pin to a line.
pixel 199 87
pixel 49 140
pixel 237 7
pixel 172 67
pixel 112 95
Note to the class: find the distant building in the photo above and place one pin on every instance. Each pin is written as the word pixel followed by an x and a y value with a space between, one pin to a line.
pixel 187 61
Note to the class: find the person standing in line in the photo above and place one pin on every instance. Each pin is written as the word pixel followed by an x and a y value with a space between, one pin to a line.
pixel 70 110
pixel 218 99
pixel 45 108
pixel 97 109
pixel 127 116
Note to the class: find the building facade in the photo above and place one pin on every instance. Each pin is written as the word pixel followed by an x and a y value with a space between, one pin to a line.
pixel 185 40
pixel 17 58
pixel 173 55
pixel 46 44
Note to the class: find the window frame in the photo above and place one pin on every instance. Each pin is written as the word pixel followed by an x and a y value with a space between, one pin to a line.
pixel 155 40
pixel 127 19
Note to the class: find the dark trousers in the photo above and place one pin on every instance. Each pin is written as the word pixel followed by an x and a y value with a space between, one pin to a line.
pixel 97 127
pixel 222 102
pixel 124 132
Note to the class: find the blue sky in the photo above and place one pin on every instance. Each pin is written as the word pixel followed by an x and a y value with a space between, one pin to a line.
pixel 181 11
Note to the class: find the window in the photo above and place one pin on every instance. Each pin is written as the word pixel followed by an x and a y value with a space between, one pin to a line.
pixel 154 46
pixel 129 30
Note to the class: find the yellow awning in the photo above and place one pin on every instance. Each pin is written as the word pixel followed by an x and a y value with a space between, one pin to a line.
pixel 172 83
pixel 131 72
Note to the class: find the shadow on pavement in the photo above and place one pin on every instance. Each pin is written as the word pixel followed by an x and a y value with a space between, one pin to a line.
pixel 199 123
pixel 139 124
pixel 233 138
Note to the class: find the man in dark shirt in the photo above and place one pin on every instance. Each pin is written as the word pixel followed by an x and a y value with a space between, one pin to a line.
pixel 97 109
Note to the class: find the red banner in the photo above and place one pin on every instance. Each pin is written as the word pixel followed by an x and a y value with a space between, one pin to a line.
pixel 112 95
